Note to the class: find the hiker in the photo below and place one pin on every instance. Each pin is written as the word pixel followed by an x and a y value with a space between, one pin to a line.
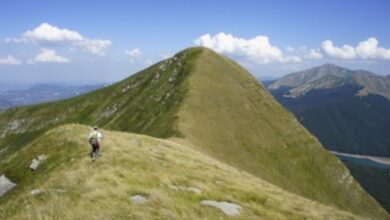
pixel 95 137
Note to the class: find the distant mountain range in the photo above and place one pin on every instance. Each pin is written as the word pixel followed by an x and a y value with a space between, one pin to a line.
pixel 330 76
pixel 42 93
pixel 347 110
pixel 267 78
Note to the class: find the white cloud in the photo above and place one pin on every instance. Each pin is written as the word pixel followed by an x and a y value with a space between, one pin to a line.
pixel 137 56
pixel 257 49
pixel 345 52
pixel 365 50
pixel 166 56
pixel 134 54
pixel 369 50
pixel 290 49
pixel 304 53
pixel 49 34
pixel 48 56
pixel 313 54
pixel 291 59
pixel 96 47
pixel 10 60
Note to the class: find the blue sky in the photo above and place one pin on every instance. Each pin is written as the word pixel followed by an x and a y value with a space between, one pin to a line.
pixel 104 41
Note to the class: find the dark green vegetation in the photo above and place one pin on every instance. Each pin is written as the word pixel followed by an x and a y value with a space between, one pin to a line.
pixel 134 104
pixel 374 179
pixel 212 104
pixel 348 111
pixel 342 121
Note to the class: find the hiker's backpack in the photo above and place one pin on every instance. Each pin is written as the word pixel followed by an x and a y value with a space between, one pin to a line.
pixel 94 138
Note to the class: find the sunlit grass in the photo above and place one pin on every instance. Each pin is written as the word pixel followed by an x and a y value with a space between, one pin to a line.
pixel 135 164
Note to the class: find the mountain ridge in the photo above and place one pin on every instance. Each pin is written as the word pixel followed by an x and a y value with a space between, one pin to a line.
pixel 212 104
pixel 301 82
pixel 350 117
pixel 347 110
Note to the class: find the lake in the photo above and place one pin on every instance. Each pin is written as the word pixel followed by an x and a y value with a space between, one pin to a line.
pixel 364 162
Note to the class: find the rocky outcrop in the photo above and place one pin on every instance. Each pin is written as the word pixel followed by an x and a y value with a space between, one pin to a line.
pixel 5 185
pixel 228 208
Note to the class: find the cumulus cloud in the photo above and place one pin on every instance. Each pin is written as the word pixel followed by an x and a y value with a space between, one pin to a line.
pixel 96 47
pixel 366 50
pixel 10 60
pixel 48 56
pixel 167 55
pixel 49 34
pixel 290 49
pixel 313 54
pixel 260 50
pixel 369 50
pixel 257 49
pixel 305 53
pixel 345 52
pixel 134 54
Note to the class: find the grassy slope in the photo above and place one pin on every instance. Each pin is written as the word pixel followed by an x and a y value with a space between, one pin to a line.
pixel 144 103
pixel 136 164
pixel 223 112
pixel 242 125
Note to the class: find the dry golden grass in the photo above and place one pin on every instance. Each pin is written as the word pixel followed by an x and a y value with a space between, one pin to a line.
pixel 136 164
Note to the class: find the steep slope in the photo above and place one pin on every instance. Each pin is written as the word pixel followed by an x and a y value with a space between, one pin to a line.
pixel 241 124
pixel 210 103
pixel 352 115
pixel 68 186
pixel 143 103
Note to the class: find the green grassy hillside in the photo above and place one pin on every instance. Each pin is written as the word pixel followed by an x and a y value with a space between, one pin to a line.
pixel 146 103
pixel 210 103
pixel 72 187
pixel 242 125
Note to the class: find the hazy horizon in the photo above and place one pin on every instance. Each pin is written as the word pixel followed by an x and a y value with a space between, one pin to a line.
pixel 27 84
